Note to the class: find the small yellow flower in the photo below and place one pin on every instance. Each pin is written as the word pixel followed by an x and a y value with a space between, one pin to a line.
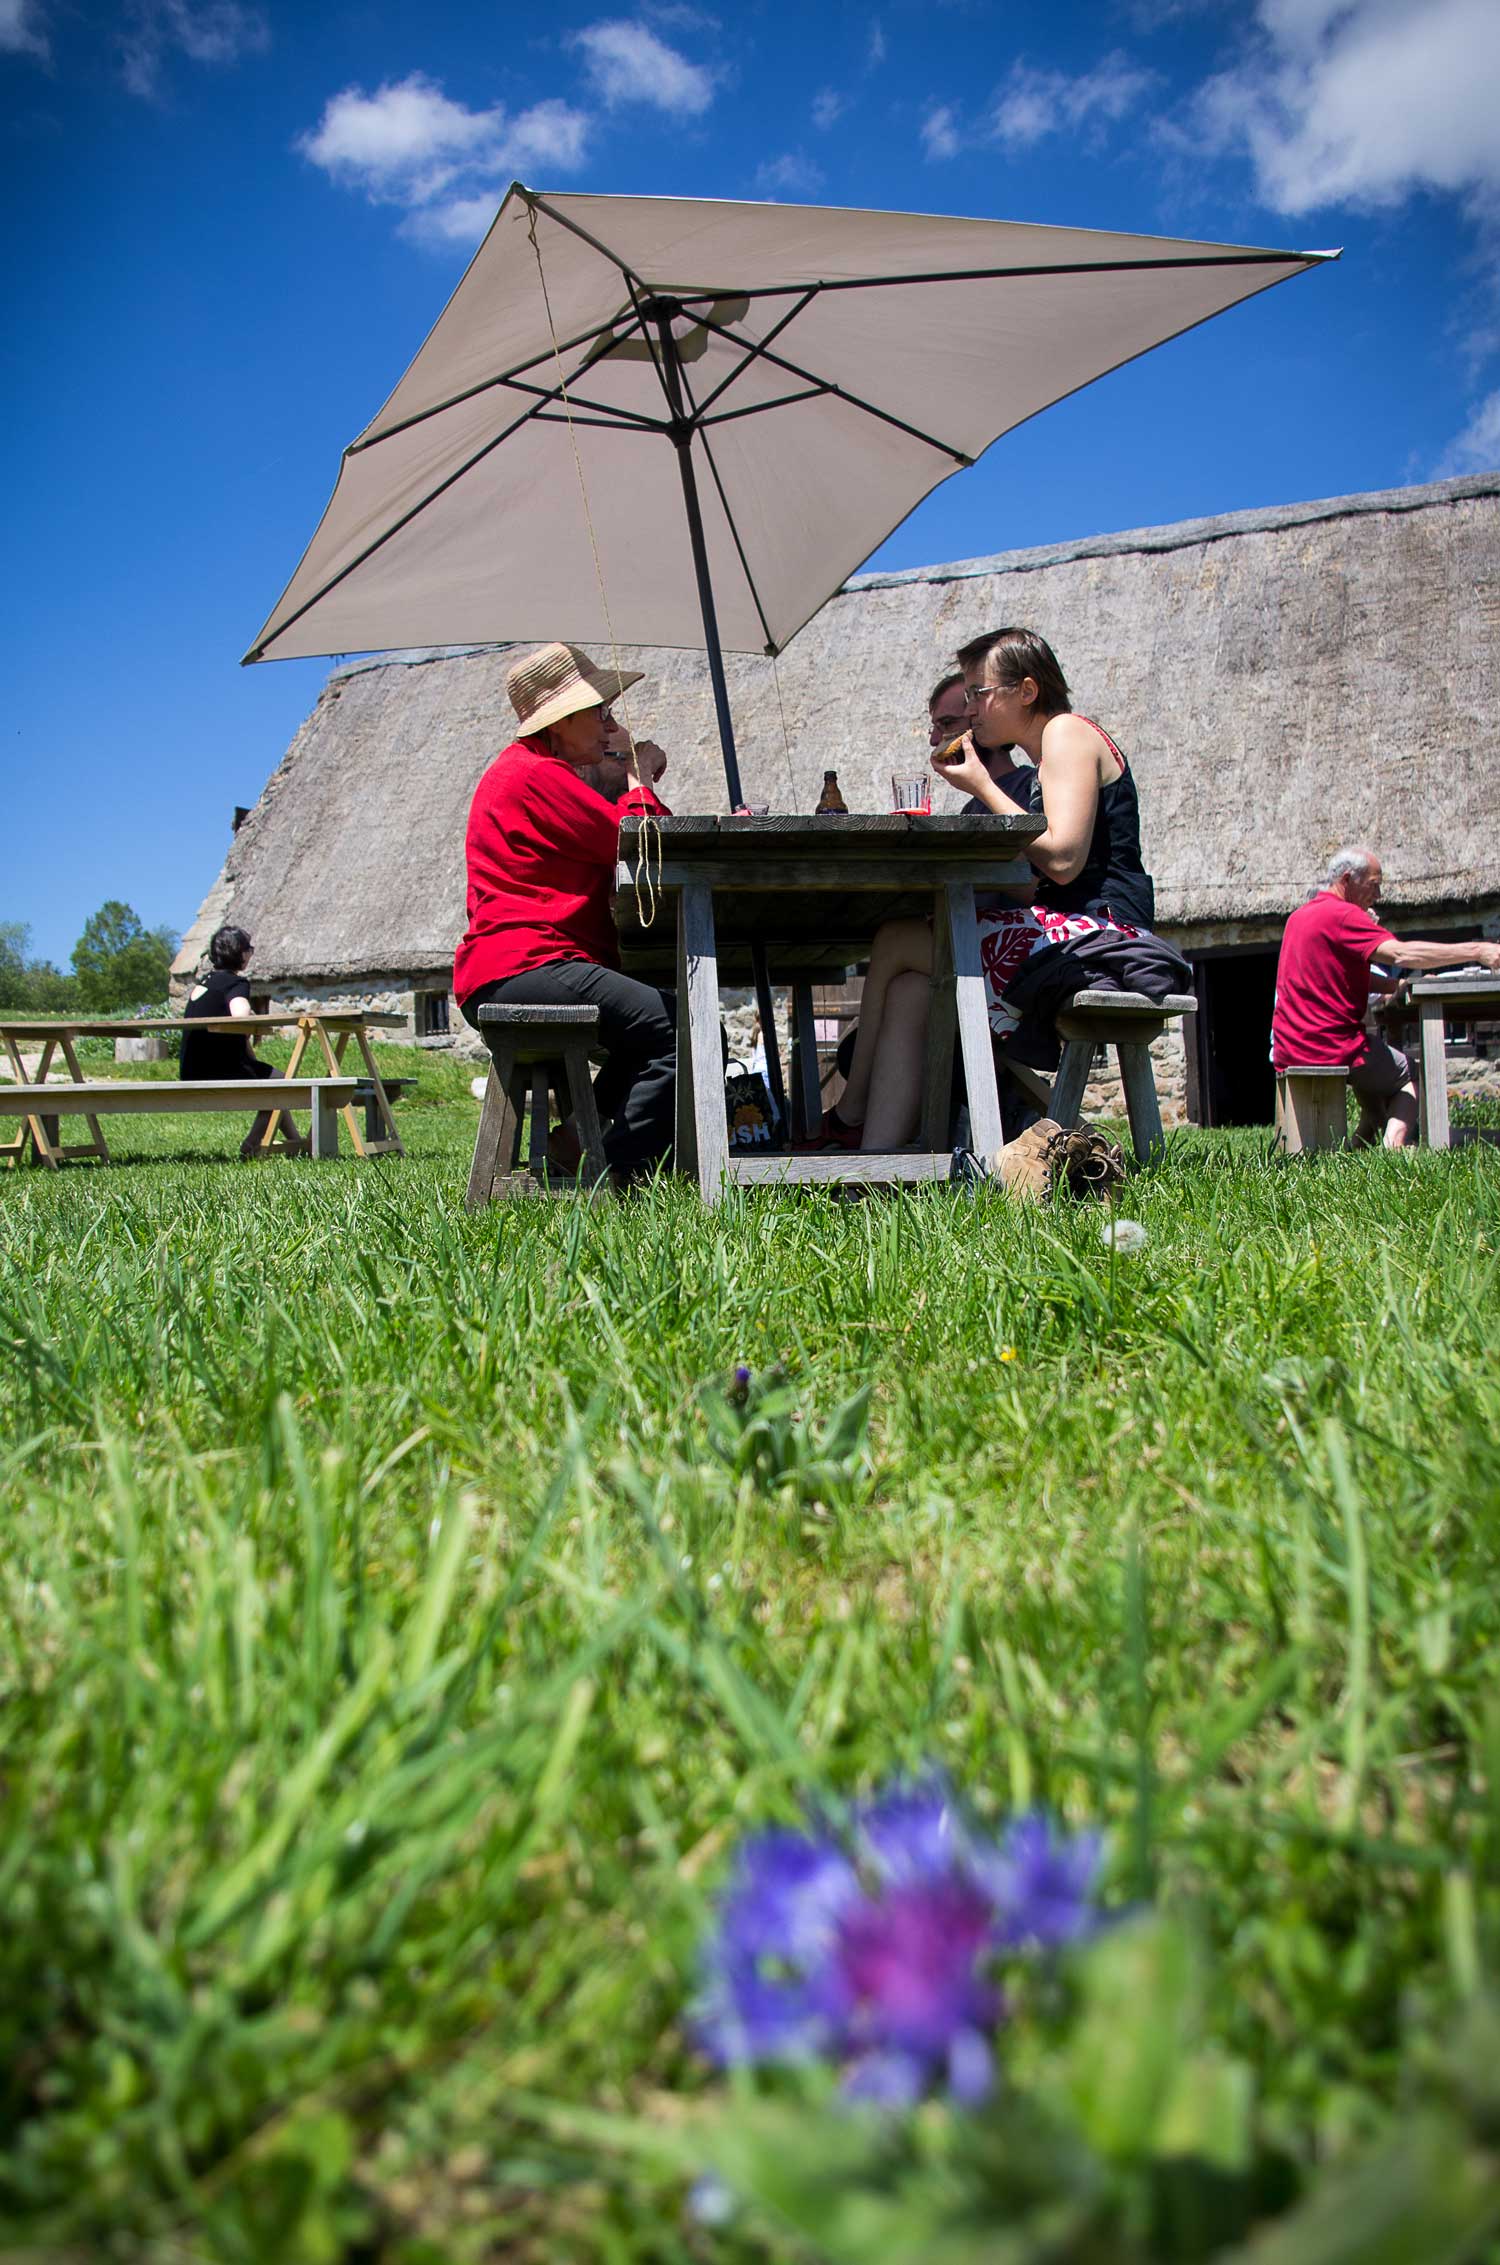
pixel 1007 1352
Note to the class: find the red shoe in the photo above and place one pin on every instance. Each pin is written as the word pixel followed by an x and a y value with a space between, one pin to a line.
pixel 832 1133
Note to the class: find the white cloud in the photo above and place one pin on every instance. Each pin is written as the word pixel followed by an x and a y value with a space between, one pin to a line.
pixel 626 62
pixel 22 30
pixel 875 48
pixel 1363 101
pixel 1032 104
pixel 940 134
pixel 1477 448
pixel 206 31
pixel 792 174
pixel 408 144
pixel 828 107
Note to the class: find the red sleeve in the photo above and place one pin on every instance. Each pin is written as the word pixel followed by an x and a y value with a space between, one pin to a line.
pixel 1364 934
pixel 639 798
pixel 570 816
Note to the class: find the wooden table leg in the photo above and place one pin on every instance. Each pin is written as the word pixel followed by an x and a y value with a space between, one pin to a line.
pixel 942 1027
pixel 274 1115
pixel 1068 1087
pixel 807 1092
pixel 1433 1091
pixel 699 1012
pixel 334 1056
pixel 971 1009
pixel 685 1137
pixel 95 1145
pixel 13 1152
pixel 324 1130
pixel 1141 1104
pixel 389 1144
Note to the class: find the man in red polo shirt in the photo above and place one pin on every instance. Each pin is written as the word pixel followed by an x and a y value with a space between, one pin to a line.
pixel 1323 984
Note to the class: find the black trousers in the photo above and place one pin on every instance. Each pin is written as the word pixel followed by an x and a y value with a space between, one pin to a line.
pixel 636 1087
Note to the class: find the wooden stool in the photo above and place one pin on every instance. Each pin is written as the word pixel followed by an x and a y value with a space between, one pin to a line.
pixel 534 1050
pixel 1128 1021
pixel 1312 1109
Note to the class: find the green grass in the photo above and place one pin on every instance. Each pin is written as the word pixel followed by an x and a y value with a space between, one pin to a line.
pixel 397 1630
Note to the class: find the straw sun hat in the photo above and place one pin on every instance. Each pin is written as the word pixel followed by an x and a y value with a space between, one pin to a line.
pixel 557 680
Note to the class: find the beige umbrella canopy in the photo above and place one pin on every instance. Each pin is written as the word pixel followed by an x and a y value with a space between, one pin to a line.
pixel 816 373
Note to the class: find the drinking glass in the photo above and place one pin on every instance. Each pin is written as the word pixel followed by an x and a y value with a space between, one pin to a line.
pixel 912 794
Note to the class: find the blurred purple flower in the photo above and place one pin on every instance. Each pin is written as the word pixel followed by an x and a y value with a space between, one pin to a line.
pixel 1043 1883
pixel 769 1986
pixel 879 1957
pixel 742 1376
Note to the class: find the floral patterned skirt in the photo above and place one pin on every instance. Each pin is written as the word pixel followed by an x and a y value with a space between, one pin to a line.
pixel 1010 934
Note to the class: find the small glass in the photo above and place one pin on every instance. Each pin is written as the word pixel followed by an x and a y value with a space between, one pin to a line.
pixel 752 810
pixel 912 794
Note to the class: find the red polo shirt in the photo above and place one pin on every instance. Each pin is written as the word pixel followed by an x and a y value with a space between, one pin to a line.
pixel 541 849
pixel 1323 982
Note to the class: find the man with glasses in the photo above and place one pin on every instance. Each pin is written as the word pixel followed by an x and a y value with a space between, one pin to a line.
pixel 949 717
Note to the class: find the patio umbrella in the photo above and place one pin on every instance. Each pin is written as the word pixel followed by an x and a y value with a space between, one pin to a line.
pixel 814 372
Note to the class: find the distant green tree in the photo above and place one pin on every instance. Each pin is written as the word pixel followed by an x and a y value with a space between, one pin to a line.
pixel 27 985
pixel 119 963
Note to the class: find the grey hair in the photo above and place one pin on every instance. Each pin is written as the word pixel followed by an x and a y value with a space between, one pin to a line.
pixel 1346 865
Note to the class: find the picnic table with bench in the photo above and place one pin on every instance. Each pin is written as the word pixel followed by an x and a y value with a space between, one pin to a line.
pixel 40 1103
pixel 813 892
pixel 1469 998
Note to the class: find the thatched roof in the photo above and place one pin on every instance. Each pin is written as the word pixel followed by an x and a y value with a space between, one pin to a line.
pixel 1283 681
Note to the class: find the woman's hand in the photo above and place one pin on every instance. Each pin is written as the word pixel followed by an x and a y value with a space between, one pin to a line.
pixel 647 762
pixel 962 767
pixel 642 759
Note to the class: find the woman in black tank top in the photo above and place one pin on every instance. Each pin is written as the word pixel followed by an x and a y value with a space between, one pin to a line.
pixel 1089 858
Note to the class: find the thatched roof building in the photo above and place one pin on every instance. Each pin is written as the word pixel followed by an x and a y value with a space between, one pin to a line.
pixel 1283 681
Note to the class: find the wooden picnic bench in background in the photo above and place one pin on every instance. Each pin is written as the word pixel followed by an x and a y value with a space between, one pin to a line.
pixel 332 1029
pixel 41 1105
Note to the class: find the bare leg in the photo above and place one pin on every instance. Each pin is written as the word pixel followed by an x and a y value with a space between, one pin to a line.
pixel 295 1143
pixel 1401 1119
pixel 900 1057
pixel 901 947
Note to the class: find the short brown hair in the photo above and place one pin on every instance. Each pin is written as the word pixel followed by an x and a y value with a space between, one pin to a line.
pixel 944 684
pixel 1017 653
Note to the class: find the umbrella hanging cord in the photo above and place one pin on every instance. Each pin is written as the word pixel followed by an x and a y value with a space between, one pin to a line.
pixel 650 838
pixel 786 738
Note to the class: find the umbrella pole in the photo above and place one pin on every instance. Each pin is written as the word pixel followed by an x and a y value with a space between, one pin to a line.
pixel 682 441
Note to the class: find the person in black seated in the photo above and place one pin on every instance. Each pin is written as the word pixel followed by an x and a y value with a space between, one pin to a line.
pixel 211 1054
pixel 1087 865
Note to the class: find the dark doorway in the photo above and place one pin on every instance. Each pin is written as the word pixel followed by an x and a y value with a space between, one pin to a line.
pixel 1236 990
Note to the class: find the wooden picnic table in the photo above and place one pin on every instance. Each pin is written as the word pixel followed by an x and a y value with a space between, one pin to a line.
pixel 331 1028
pixel 813 892
pixel 1435 997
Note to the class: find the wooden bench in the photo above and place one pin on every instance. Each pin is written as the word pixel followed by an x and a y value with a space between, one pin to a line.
pixel 1312 1109
pixel 534 1051
pixel 41 1105
pixel 1128 1021
pixel 366 1098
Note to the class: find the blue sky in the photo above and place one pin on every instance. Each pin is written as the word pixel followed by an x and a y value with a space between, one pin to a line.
pixel 228 227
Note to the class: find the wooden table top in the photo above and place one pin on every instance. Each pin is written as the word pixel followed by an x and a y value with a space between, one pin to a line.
pixel 813 890
pixel 1459 990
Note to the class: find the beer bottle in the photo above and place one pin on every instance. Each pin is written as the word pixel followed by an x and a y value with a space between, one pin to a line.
pixel 830 802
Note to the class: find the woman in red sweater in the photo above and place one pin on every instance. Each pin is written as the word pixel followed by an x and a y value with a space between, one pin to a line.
pixel 541 849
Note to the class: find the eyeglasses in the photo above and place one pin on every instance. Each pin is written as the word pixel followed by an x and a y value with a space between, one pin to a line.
pixel 974 693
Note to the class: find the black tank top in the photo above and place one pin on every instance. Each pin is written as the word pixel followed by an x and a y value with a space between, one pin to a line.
pixel 216 1053
pixel 1113 879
